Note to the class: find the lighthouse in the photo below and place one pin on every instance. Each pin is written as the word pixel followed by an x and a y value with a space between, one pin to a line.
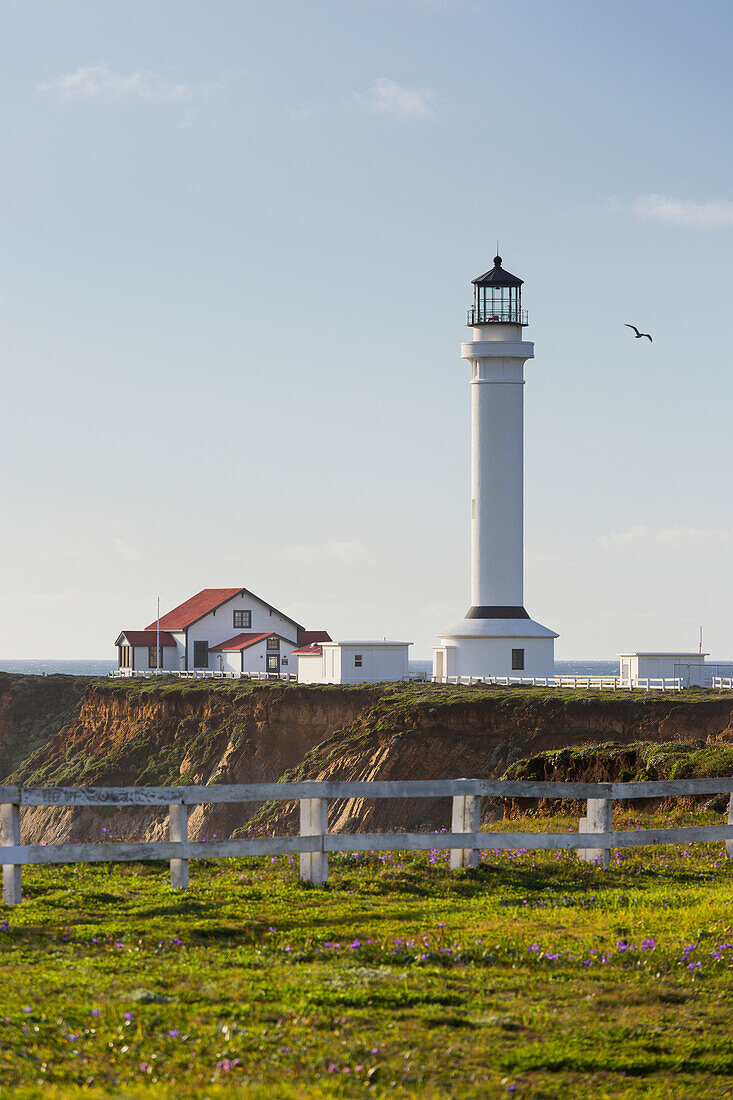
pixel 497 637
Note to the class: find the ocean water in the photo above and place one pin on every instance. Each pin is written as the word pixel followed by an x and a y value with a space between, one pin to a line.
pixel 65 668
pixel 101 668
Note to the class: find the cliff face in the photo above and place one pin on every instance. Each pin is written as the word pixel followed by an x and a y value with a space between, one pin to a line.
pixel 143 733
pixel 480 737
pixel 132 734
pixel 32 710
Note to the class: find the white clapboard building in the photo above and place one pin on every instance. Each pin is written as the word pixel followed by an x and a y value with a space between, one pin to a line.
pixel 353 662
pixel 219 629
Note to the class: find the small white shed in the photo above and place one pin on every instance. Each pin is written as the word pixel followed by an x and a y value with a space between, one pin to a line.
pixel 689 667
pixel 353 662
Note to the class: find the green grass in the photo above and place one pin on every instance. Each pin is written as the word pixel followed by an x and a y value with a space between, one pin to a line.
pixel 535 976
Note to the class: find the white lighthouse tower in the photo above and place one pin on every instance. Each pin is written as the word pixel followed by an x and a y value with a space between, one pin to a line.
pixel 497 636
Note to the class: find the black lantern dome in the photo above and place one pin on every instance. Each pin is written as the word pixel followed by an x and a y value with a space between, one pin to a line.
pixel 497 298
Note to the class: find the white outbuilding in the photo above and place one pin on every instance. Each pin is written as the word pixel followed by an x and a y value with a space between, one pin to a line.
pixel 353 662
pixel 688 667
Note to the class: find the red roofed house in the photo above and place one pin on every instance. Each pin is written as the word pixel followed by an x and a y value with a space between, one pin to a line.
pixel 220 629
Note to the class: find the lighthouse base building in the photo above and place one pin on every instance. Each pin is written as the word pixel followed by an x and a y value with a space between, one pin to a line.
pixel 497 636
pixel 495 647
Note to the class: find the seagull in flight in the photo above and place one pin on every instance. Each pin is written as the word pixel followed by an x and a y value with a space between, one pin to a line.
pixel 640 334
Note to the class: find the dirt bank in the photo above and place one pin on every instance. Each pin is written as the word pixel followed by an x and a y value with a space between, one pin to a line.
pixel 170 732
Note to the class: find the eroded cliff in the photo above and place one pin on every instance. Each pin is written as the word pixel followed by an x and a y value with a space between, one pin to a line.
pixel 169 732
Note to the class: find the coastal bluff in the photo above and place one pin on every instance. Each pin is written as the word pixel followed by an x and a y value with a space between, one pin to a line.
pixel 74 731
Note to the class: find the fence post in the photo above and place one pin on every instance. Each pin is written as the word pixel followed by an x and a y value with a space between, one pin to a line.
pixel 599 819
pixel 178 832
pixel 314 822
pixel 729 843
pixel 10 824
pixel 466 819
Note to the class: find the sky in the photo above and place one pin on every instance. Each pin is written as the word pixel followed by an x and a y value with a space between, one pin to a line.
pixel 238 239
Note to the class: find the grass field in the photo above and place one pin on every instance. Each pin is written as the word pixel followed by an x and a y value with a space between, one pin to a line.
pixel 535 976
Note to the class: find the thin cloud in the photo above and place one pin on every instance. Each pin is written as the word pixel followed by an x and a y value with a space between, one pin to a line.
pixel 385 97
pixel 103 85
pixel 125 550
pixel 332 551
pixel 300 114
pixel 684 212
pixel 645 540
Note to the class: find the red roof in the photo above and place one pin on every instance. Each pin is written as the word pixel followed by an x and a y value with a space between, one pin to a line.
pixel 312 650
pixel 195 608
pixel 305 637
pixel 240 641
pixel 145 637
pixel 208 599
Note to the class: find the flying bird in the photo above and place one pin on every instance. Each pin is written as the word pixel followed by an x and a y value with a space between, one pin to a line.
pixel 640 334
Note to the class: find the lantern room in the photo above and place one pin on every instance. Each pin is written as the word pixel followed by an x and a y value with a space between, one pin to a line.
pixel 497 298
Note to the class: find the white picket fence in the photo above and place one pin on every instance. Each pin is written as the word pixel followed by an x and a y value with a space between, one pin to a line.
pixel 723 683
pixel 196 674
pixel 593 841
pixel 587 683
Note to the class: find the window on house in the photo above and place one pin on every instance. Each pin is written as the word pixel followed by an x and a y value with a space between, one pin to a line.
pixel 125 656
pixel 243 619
pixel 200 654
pixel 357 660
pixel 273 643
pixel 517 659
pixel 155 658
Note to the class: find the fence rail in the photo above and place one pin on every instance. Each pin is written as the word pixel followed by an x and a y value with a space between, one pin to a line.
pixel 593 841
pixel 589 683
pixel 197 674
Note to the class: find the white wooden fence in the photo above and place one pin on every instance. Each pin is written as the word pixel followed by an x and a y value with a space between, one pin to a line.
pixel 587 683
pixel 594 839
pixel 196 674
